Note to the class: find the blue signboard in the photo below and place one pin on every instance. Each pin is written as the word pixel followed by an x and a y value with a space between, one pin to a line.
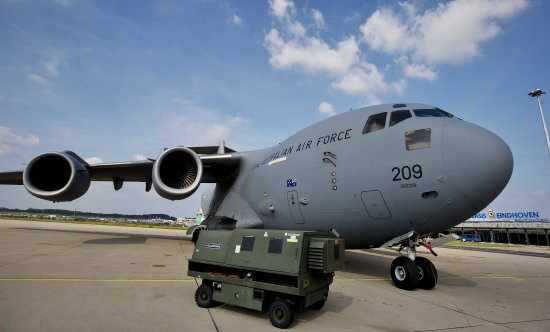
pixel 491 215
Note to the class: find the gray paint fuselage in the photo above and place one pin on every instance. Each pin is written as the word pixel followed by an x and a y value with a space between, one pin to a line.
pixel 352 182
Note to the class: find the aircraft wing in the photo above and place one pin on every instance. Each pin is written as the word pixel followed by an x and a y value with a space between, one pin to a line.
pixel 127 171
pixel 175 174
pixel 11 177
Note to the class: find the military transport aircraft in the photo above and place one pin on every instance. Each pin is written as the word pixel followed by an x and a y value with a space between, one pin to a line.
pixel 385 175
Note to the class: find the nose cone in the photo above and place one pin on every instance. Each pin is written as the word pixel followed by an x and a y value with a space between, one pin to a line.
pixel 478 162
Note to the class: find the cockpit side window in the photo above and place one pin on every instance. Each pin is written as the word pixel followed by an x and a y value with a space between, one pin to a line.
pixel 398 116
pixel 418 139
pixel 375 122
pixel 432 113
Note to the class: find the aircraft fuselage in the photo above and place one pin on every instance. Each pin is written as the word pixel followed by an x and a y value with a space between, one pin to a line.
pixel 416 168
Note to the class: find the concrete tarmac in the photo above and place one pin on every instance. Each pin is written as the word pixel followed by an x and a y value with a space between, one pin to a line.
pixel 72 277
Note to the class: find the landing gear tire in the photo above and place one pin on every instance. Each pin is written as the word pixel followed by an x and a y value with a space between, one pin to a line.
pixel 427 273
pixel 204 296
pixel 281 313
pixel 404 273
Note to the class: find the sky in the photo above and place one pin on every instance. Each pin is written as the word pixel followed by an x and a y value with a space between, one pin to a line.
pixel 122 80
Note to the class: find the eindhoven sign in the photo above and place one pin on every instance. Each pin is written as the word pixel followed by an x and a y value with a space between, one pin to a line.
pixel 512 216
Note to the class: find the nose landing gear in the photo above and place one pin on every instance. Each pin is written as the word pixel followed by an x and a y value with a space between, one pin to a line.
pixel 410 272
pixel 427 273
pixel 404 273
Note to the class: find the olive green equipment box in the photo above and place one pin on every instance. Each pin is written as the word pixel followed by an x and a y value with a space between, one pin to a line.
pixel 260 269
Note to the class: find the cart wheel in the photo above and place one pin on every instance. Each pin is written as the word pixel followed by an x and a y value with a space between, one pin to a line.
pixel 281 313
pixel 203 296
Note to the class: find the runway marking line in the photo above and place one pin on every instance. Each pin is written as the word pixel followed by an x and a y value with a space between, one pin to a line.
pixel 89 279
pixel 190 280
pixel 361 279
pixel 440 278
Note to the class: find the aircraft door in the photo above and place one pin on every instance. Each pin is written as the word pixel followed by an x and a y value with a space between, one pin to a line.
pixel 375 204
pixel 294 206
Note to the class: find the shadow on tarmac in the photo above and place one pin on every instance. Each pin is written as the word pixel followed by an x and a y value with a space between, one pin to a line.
pixel 128 234
pixel 118 240
pixel 304 315
pixel 365 263
pixel 368 264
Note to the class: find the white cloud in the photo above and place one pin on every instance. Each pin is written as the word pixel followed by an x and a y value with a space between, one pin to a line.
pixel 237 20
pixel 93 160
pixel 7 136
pixel 318 18
pixel 366 80
pixel 452 33
pixel 385 32
pixel 361 79
pixel 38 79
pixel 311 53
pixel 538 193
pixel 326 108
pixel 137 157
pixel 10 142
pixel 292 48
pixel 282 9
pixel 419 71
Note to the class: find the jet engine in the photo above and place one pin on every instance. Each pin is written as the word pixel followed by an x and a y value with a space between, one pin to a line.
pixel 177 173
pixel 57 176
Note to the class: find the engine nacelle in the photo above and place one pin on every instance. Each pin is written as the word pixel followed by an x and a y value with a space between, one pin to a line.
pixel 177 173
pixel 56 176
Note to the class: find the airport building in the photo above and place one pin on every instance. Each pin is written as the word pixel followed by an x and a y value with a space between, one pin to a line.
pixel 525 227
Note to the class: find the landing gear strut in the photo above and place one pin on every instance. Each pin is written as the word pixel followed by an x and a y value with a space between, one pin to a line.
pixel 410 272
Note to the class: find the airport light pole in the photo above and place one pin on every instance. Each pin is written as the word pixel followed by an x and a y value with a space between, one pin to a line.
pixel 537 93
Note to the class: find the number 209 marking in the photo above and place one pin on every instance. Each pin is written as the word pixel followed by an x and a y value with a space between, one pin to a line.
pixel 405 172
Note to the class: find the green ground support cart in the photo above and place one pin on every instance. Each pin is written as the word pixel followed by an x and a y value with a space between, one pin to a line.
pixel 266 269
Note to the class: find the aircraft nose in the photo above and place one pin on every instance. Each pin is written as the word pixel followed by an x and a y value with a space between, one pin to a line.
pixel 478 162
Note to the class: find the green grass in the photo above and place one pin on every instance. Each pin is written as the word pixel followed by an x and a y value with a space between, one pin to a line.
pixel 95 223
pixel 482 244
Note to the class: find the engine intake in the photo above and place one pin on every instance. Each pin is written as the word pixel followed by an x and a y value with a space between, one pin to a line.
pixel 177 173
pixel 56 176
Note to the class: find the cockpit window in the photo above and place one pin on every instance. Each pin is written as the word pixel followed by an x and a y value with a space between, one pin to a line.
pixel 375 122
pixel 398 116
pixel 432 113
pixel 418 139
